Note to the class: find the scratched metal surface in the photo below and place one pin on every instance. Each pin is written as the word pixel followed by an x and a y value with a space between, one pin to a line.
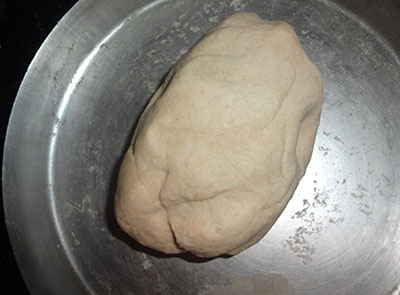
pixel 76 111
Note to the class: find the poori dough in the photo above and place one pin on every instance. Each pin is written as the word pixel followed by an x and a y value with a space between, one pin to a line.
pixel 223 143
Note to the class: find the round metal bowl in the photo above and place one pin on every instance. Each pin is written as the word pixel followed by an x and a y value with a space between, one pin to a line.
pixel 76 111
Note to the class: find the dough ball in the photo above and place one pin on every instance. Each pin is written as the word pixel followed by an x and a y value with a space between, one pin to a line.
pixel 223 143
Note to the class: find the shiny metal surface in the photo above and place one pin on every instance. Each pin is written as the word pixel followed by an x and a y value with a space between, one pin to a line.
pixel 76 111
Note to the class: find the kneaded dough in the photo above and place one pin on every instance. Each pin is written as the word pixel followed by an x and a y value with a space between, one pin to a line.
pixel 223 143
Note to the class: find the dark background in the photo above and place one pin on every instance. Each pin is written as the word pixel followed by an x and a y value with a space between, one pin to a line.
pixel 24 25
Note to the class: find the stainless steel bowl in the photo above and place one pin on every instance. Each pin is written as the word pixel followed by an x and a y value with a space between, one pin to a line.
pixel 76 111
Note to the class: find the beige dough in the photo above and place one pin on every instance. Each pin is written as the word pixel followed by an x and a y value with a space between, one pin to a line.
pixel 223 143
